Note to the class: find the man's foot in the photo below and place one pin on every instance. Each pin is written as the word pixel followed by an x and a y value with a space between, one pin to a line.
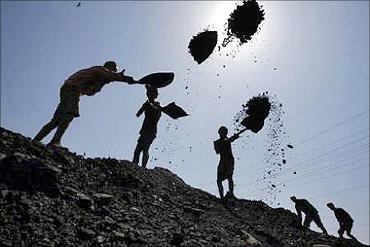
pixel 55 145
pixel 37 142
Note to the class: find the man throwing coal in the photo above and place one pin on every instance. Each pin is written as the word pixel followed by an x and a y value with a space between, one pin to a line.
pixel 302 205
pixel 84 82
pixel 344 219
pixel 225 167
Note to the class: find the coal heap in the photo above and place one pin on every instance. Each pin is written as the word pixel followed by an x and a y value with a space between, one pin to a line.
pixel 244 21
pixel 53 197
pixel 202 45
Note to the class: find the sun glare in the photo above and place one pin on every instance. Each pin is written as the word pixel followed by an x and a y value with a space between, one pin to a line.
pixel 220 12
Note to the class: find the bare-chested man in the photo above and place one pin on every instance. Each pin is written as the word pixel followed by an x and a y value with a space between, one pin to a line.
pixel 84 82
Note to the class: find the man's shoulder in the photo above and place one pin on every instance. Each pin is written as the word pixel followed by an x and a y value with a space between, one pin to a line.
pixel 97 68
pixel 302 202
pixel 89 69
pixel 341 211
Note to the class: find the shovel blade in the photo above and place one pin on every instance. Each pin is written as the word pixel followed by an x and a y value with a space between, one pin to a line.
pixel 255 124
pixel 158 80
pixel 174 111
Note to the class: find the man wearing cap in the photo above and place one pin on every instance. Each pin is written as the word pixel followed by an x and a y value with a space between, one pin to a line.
pixel 344 219
pixel 302 205
pixel 84 82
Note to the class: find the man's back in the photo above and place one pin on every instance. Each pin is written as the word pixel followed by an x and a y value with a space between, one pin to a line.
pixel 223 147
pixel 91 80
pixel 305 206
pixel 342 215
pixel 151 118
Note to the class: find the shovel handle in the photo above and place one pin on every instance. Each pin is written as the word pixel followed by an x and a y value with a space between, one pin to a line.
pixel 241 131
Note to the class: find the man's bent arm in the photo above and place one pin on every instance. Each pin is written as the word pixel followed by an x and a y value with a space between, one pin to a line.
pixel 113 76
pixel 141 110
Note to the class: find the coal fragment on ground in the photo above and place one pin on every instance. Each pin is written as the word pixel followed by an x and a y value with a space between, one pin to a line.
pixel 202 45
pixel 244 21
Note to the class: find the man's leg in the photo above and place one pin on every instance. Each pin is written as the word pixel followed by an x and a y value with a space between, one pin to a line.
pixel 137 154
pixel 231 185
pixel 46 129
pixel 307 221
pixel 348 231
pixel 145 157
pixel 63 124
pixel 319 223
pixel 341 230
pixel 220 188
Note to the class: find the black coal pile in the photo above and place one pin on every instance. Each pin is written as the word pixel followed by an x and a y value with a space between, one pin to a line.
pixel 243 22
pixel 202 45
pixel 254 113
pixel 53 197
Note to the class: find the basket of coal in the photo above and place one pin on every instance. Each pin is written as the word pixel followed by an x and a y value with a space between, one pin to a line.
pixel 257 110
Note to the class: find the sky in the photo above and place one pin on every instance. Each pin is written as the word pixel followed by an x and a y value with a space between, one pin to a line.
pixel 311 56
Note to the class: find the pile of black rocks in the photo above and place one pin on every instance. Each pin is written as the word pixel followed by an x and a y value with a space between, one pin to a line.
pixel 53 197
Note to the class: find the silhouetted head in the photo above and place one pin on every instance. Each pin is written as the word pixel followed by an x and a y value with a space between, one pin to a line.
pixel 330 205
pixel 222 131
pixel 151 93
pixel 111 65
pixel 293 198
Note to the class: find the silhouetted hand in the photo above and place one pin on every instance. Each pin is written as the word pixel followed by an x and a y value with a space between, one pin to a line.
pixel 130 80
pixel 122 72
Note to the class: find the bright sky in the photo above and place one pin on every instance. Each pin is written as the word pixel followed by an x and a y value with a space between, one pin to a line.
pixel 320 51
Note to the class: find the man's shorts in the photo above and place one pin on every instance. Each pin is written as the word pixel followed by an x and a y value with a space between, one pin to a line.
pixel 69 98
pixel 225 169
pixel 145 141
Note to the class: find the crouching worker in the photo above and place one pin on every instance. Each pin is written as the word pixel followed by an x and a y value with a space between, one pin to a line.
pixel 344 219
pixel 225 167
pixel 148 132
pixel 84 82
pixel 302 205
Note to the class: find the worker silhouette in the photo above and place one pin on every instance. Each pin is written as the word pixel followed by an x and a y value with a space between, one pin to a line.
pixel 302 205
pixel 225 167
pixel 148 132
pixel 344 219
pixel 84 82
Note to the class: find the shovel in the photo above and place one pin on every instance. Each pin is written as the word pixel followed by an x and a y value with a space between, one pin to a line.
pixel 253 124
pixel 157 80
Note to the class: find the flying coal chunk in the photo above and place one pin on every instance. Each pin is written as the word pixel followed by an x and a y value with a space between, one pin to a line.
pixel 257 110
pixel 244 22
pixel 202 45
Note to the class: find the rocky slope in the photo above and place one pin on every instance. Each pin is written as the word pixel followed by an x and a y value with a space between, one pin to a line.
pixel 52 197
